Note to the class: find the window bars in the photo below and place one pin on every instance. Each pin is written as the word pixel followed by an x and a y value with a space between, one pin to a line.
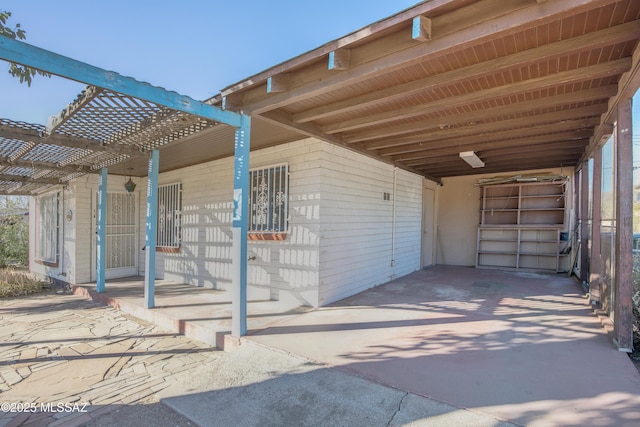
pixel 268 199
pixel 169 215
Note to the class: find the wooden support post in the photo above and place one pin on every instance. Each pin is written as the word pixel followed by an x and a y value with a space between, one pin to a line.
pixel 595 267
pixel 240 228
pixel 150 230
pixel 101 262
pixel 584 223
pixel 623 286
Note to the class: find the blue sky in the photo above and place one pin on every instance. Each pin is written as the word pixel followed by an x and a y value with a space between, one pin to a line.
pixel 192 47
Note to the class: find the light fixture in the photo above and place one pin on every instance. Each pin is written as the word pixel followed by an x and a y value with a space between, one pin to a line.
pixel 471 158
pixel 130 186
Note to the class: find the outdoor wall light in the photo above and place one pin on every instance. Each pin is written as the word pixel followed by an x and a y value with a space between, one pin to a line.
pixel 471 158
pixel 130 185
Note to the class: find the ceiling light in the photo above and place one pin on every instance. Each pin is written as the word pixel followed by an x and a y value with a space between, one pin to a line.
pixel 471 158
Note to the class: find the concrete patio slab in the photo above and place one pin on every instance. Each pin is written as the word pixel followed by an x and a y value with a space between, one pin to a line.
pixel 200 313
pixel 522 347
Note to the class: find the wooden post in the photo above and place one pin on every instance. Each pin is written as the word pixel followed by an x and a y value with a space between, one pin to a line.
pixel 623 286
pixel 595 267
pixel 151 230
pixel 584 223
pixel 101 263
pixel 240 228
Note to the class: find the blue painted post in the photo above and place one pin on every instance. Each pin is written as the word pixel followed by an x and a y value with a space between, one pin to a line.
pixel 240 228
pixel 151 227
pixel 101 263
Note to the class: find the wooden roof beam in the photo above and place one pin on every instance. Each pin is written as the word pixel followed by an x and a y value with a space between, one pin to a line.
pixel 278 83
pixel 379 137
pixel 563 78
pixel 408 143
pixel 508 18
pixel 499 140
pixel 576 45
pixel 421 28
pixel 339 59
pixel 568 138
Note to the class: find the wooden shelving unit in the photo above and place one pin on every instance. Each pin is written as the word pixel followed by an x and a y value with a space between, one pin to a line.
pixel 521 226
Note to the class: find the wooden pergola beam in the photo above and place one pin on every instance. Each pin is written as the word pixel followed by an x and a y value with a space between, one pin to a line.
pixel 26 179
pixel 5 161
pixel 58 120
pixel 12 132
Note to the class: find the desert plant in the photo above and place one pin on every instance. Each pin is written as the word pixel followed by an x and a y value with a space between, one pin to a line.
pixel 15 283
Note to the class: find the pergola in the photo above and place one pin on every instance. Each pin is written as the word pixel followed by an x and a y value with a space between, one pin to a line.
pixel 116 120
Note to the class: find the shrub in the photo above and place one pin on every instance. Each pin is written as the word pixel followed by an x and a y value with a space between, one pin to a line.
pixel 18 283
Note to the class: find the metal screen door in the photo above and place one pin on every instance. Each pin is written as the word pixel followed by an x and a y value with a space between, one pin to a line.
pixel 121 235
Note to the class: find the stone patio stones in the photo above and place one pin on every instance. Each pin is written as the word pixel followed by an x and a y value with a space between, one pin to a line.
pixel 94 355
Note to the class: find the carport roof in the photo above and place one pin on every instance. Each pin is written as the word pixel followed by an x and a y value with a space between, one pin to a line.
pixel 525 84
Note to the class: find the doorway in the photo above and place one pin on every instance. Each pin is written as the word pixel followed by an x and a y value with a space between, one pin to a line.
pixel 121 235
pixel 427 226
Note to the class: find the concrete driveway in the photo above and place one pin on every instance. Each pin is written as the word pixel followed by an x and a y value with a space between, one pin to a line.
pixel 521 347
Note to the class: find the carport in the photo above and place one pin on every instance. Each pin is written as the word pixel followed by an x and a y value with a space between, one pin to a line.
pixel 519 84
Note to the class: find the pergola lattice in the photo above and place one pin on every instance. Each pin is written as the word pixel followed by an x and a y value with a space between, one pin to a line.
pixel 99 129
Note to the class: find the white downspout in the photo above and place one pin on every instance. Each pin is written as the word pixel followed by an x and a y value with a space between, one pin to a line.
pixel 393 223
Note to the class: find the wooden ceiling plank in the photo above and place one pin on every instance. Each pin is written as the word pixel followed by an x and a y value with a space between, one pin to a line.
pixel 522 106
pixel 310 130
pixel 501 140
pixel 519 122
pixel 507 23
pixel 597 39
pixel 414 163
pixel 541 129
pixel 552 80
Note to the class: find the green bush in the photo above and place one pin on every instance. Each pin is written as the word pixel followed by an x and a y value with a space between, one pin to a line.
pixel 14 232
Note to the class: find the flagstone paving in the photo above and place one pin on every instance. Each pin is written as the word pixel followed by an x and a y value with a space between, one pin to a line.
pixel 67 361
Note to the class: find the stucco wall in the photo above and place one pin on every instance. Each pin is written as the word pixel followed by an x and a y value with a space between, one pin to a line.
pixel 459 214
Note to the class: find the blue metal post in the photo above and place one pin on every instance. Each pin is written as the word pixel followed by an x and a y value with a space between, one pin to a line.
pixel 151 227
pixel 101 263
pixel 239 228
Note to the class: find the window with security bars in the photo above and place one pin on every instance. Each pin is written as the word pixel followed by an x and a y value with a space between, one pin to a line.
pixel 48 223
pixel 169 215
pixel 268 199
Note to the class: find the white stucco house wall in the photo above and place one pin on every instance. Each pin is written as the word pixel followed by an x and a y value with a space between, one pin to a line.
pixel 352 223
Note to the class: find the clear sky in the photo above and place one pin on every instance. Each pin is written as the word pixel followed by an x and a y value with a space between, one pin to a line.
pixel 193 47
